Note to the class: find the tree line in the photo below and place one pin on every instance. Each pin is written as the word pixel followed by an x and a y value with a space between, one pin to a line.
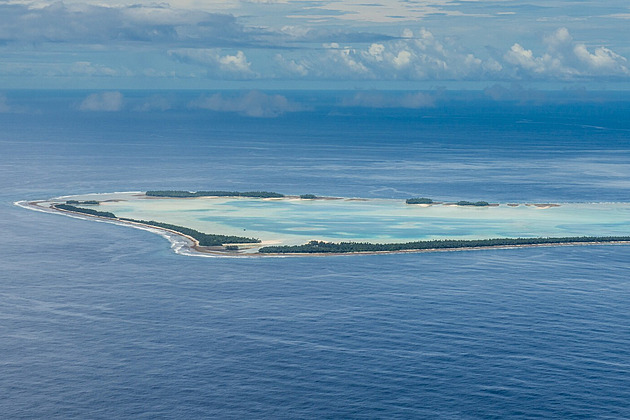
pixel 91 212
pixel 317 247
pixel 204 239
pixel 419 200
pixel 77 202
pixel 189 194
pixel 473 203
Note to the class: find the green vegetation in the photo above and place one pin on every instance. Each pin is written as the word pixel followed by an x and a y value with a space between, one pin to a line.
pixel 91 212
pixel 317 247
pixel 89 202
pixel 419 200
pixel 308 196
pixel 204 239
pixel 475 203
pixel 189 194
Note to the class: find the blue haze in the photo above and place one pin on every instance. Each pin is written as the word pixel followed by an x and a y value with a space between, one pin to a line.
pixel 103 321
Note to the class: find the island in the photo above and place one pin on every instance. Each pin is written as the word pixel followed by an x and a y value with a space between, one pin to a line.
pixel 263 223
pixel 419 200
pixel 189 194
pixel 473 203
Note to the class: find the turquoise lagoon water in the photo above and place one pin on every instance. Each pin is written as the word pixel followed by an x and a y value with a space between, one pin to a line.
pixel 296 221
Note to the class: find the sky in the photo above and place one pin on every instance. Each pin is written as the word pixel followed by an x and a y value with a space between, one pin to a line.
pixel 316 44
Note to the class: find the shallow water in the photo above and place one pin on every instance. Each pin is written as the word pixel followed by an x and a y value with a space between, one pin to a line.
pixel 101 321
pixel 293 221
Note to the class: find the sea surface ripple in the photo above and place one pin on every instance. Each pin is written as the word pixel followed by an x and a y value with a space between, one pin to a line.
pixel 102 321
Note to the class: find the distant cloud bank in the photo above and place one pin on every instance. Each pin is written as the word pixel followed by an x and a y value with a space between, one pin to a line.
pixel 182 42
pixel 421 56
pixel 382 100
pixel 104 101
pixel 251 104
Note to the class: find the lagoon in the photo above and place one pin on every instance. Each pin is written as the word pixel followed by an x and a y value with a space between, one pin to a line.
pixel 294 221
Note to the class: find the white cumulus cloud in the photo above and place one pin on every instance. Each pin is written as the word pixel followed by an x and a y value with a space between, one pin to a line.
pixel 235 63
pixel 565 58
pixel 602 59
pixel 291 68
pixel 252 104
pixel 420 55
pixel 414 56
pixel 216 62
pixel 104 101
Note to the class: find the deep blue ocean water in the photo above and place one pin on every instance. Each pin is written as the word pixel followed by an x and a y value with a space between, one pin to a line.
pixel 103 321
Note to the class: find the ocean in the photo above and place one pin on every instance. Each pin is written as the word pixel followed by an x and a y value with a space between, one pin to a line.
pixel 102 321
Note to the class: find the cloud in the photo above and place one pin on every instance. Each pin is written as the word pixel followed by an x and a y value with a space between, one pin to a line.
pixel 252 104
pixel 419 55
pixel 291 68
pixel 178 41
pixel 47 65
pixel 183 23
pixel 154 103
pixel 95 24
pixel 4 105
pixel 293 33
pixel 105 101
pixel 343 60
pixel 565 59
pixel 524 58
pixel 231 66
pixel 235 63
pixel 602 60
pixel 414 56
pixel 89 69
pixel 381 12
pixel 265 1
pixel 514 92
pixel 619 15
pixel 60 23
pixel 381 100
